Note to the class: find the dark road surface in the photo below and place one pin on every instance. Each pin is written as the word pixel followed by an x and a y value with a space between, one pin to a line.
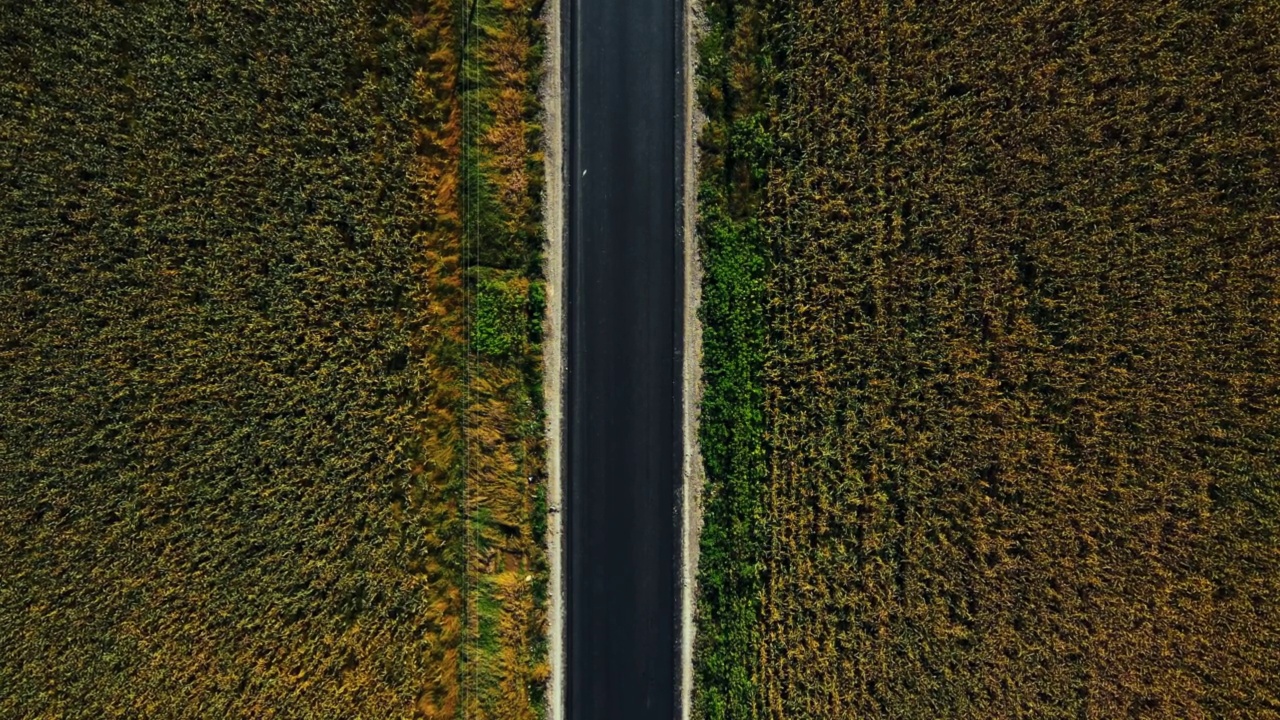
pixel 622 447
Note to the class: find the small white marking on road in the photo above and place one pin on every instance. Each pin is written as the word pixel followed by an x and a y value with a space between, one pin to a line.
pixel 584 173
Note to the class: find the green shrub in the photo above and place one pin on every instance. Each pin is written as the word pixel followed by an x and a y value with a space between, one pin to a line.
pixel 501 317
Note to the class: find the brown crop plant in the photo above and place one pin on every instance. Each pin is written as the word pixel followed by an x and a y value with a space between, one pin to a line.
pixel 993 419
pixel 238 424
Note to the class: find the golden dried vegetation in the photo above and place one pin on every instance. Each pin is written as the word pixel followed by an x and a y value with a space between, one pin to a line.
pixel 999 433
pixel 246 466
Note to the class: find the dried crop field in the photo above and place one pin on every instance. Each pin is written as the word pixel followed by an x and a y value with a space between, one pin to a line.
pixel 243 247
pixel 992 306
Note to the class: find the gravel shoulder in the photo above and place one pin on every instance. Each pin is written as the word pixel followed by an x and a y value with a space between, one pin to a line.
pixel 553 356
pixel 691 372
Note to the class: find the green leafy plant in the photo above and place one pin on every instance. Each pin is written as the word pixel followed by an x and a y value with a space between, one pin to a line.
pixel 501 323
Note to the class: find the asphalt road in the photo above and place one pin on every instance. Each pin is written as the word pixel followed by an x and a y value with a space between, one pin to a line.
pixel 622 443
